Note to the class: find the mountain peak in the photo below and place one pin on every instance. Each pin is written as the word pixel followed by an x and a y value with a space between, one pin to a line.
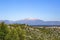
pixel 31 19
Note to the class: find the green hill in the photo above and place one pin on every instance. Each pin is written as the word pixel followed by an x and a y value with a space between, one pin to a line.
pixel 25 32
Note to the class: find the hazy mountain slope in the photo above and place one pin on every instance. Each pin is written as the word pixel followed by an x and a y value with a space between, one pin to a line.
pixel 32 22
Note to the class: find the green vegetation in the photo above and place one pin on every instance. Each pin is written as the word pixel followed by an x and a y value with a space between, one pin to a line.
pixel 25 32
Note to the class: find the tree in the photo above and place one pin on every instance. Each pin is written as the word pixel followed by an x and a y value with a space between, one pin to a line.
pixel 3 30
pixel 21 33
pixel 12 35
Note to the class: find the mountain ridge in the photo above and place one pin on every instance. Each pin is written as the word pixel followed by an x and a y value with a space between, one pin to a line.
pixel 32 22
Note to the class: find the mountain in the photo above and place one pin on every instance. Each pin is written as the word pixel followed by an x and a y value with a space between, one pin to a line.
pixel 32 21
pixel 7 21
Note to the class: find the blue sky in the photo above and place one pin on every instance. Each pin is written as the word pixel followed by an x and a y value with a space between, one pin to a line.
pixel 48 10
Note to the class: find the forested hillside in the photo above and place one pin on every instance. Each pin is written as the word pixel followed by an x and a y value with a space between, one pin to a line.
pixel 25 32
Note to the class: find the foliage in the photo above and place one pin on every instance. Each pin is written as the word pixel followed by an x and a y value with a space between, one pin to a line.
pixel 25 32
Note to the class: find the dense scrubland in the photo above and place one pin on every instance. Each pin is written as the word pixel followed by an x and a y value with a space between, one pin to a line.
pixel 25 32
